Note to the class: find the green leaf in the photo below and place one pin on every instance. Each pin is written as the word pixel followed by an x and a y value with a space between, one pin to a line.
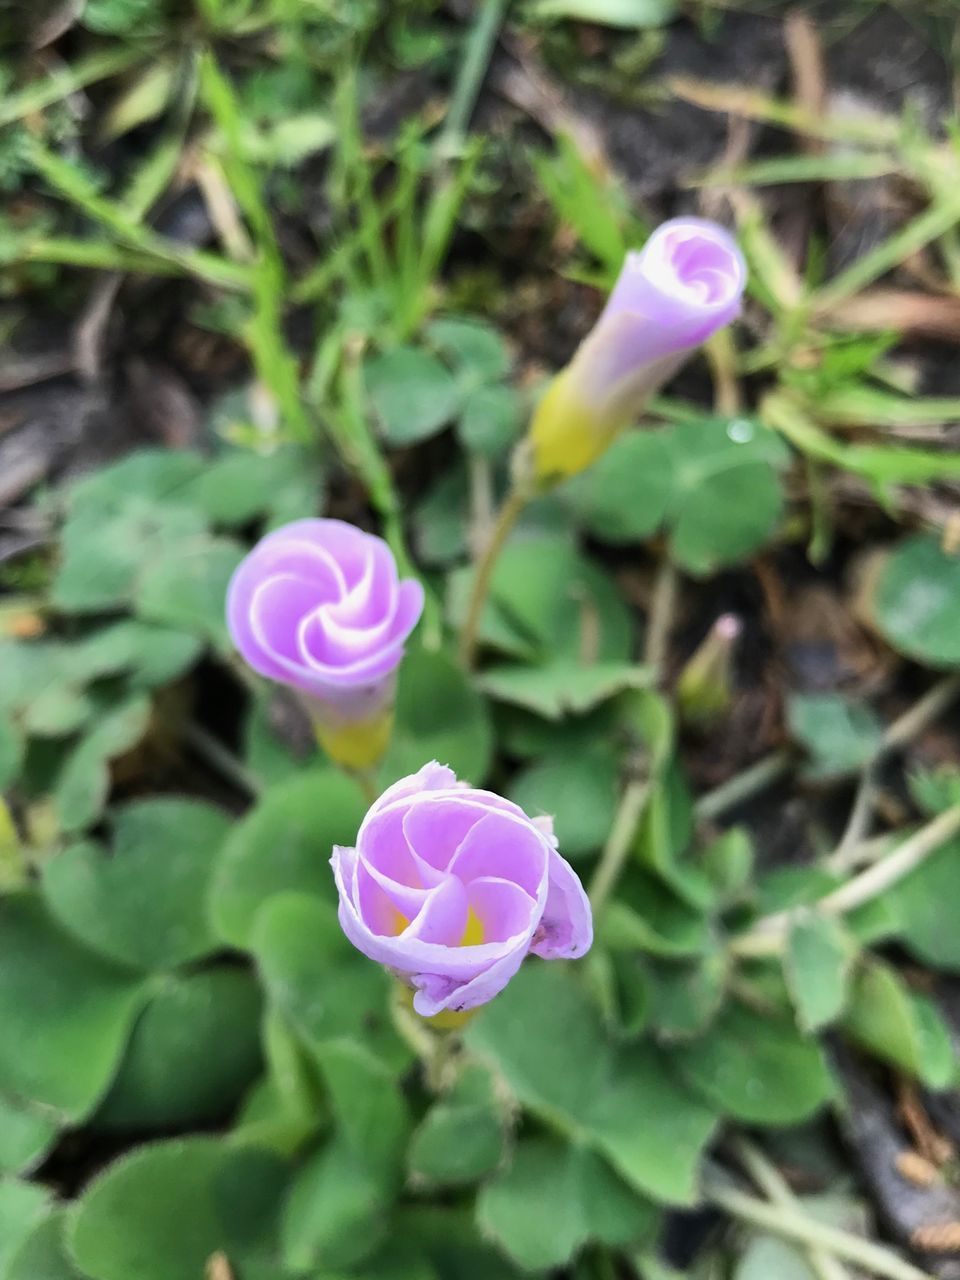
pixel 916 602
pixel 189 590
pixel 555 1198
pixel 65 1012
pixel 461 1137
pixel 685 998
pixel 624 496
pixel 121 519
pixel 562 687
pixel 475 348
pixel 284 842
pixel 923 904
pixel 143 902
pixel 211 1018
pixel 412 393
pixel 240 485
pixel 819 957
pixel 83 781
pixel 368 1106
pixel 440 519
pixel 612 13
pixel 22 1206
pixel 11 750
pixel 57 712
pixel 714 483
pixel 727 498
pixel 162 1211
pixel 899 1026
pixel 26 1134
pixel 579 791
pixel 839 735
pixel 41 1255
pixel 756 1069
pixel 336 1214
pixel 153 655
pixel 319 982
pixel 546 1040
pixel 337 1210
pixel 491 420
pixel 766 1256
pixel 439 716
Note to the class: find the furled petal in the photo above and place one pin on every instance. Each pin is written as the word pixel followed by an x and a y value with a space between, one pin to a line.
pixel 437 992
pixel 566 927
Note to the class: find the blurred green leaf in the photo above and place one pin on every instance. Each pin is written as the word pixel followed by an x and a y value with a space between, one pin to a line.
pixel 756 1068
pixel 161 1212
pixel 562 687
pixel 65 1012
pixel 817 966
pixel 923 904
pixel 916 601
pixel 412 393
pixel 475 348
pixel 193 1051
pixel 899 1026
pixel 283 843
pixel 22 1206
pixel 491 420
pixel 713 482
pixel 625 495
pixel 142 902
pixel 82 783
pixel 439 716
pixel 839 735
pixel 42 1255
pixel 189 590
pixel 461 1137
pixel 26 1133
pixel 579 791
pixel 553 1199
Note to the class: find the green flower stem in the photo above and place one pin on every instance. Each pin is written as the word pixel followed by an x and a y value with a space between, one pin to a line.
pixel 660 623
pixel 620 841
pixel 903 730
pixel 479 48
pixel 507 517
pixel 223 762
pixel 767 938
pixel 742 786
pixel 793 1224
pixel 774 1186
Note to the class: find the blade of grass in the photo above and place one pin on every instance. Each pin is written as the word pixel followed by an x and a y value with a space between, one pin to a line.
pixel 65 81
pixel 479 48
pixel 940 218
pixel 74 186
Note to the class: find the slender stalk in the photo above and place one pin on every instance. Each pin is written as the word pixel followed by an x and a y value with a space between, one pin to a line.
pixel 507 517
pixel 774 1186
pixel 742 786
pixel 794 1224
pixel 480 42
pixel 615 851
pixel 768 936
pixel 662 608
pixel 212 751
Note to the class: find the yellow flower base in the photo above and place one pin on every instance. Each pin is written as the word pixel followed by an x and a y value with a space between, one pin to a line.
pixel 566 435
pixel 357 746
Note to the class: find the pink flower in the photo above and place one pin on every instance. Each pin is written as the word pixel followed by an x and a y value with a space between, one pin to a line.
pixel 451 888
pixel 317 605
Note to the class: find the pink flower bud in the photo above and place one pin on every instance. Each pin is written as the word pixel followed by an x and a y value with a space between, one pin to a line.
pixel 451 888
pixel 685 283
